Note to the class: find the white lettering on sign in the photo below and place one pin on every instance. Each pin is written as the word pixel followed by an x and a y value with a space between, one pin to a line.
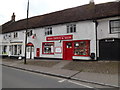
pixel 62 37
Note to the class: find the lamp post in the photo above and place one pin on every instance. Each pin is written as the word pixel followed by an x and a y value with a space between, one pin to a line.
pixel 26 31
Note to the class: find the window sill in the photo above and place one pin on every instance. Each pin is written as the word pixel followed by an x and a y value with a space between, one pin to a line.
pixel 48 53
pixel 82 55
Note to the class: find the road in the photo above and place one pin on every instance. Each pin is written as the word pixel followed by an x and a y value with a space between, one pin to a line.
pixel 15 78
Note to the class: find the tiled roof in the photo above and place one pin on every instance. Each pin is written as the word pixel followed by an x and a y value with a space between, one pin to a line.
pixel 81 13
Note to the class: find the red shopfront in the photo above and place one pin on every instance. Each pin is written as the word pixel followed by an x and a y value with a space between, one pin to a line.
pixel 70 47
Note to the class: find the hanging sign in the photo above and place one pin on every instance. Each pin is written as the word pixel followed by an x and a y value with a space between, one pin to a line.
pixel 62 37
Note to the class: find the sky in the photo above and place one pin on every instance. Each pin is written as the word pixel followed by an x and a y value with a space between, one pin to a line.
pixel 37 7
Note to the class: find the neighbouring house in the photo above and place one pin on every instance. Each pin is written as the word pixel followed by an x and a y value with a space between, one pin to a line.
pixel 85 32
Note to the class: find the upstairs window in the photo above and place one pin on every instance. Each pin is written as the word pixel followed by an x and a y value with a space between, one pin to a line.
pixel 30 33
pixel 48 31
pixel 15 34
pixel 7 36
pixel 115 26
pixel 71 28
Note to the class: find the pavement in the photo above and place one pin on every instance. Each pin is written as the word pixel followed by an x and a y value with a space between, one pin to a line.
pixel 57 70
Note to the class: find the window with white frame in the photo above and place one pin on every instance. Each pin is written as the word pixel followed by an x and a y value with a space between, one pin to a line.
pixel 5 36
pixel 15 34
pixel 30 33
pixel 15 49
pixel 48 48
pixel 115 26
pixel 4 49
pixel 48 31
pixel 19 49
pixel 71 28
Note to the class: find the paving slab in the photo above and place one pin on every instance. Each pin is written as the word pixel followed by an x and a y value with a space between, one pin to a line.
pixel 107 79
pixel 47 70
pixel 61 64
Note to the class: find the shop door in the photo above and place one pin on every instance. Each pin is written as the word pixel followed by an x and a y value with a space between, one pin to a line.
pixel 67 50
pixel 109 49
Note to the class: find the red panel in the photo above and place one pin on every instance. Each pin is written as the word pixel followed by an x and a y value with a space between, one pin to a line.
pixel 29 44
pixel 67 52
pixel 38 52
pixel 62 37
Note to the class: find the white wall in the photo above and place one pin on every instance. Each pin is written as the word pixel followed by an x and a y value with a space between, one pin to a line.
pixel 85 31
pixel 103 30
pixel 20 38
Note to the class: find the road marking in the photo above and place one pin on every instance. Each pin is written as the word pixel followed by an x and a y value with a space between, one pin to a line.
pixel 80 84
pixel 62 80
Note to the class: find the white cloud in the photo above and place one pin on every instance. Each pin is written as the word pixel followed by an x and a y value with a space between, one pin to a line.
pixel 37 7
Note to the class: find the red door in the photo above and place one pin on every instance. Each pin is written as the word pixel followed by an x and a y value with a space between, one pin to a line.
pixel 67 50
pixel 38 52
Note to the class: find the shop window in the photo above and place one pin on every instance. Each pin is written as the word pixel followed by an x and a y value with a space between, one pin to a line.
pixel 71 28
pixel 19 49
pixel 11 50
pixel 115 26
pixel 81 48
pixel 48 48
pixel 15 49
pixel 48 31
pixel 4 49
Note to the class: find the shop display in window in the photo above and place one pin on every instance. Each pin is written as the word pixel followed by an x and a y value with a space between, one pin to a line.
pixel 48 48
pixel 81 48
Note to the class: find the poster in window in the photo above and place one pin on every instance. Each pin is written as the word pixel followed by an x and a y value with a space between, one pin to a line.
pixel 58 50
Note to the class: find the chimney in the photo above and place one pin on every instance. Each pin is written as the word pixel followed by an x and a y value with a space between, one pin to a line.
pixel 91 2
pixel 13 17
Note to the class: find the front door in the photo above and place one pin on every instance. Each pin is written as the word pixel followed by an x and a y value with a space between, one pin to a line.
pixel 30 52
pixel 67 50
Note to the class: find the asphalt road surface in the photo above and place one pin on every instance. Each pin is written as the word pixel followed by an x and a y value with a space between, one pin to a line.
pixel 15 78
